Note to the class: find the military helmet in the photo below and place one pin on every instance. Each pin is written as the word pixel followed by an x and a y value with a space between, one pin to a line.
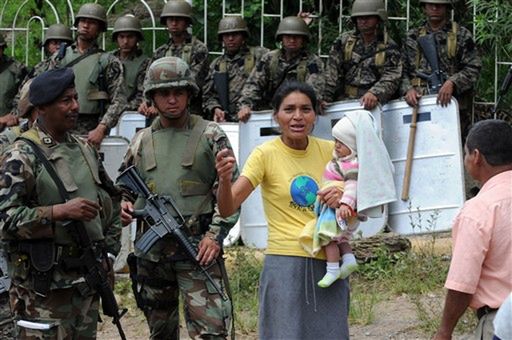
pixel 25 107
pixel 232 24
pixel 176 8
pixel 293 26
pixel 168 72
pixel 2 41
pixel 127 23
pixel 92 11
pixel 58 32
pixel 362 8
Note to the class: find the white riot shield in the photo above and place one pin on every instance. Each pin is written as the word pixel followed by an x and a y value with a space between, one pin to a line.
pixel 231 130
pixel 112 151
pixel 129 124
pixel 260 128
pixel 437 180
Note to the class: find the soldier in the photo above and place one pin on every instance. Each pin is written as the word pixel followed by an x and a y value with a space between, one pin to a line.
pixel 457 55
pixel 229 72
pixel 48 285
pixel 364 63
pixel 7 137
pixel 177 17
pixel 127 34
pixel 99 75
pixel 292 61
pixel 26 113
pixel 11 76
pixel 56 35
pixel 176 157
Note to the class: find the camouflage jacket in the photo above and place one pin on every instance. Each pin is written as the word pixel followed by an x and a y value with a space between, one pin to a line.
pixel 463 69
pixel 24 218
pixel 36 70
pixel 193 51
pixel 362 72
pixel 238 72
pixel 134 99
pixel 266 78
pixel 212 141
pixel 114 79
pixel 9 135
pixel 12 74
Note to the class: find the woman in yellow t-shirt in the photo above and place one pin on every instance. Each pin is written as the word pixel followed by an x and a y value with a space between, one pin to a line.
pixel 289 169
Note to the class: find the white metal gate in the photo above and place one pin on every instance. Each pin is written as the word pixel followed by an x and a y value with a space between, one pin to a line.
pixel 22 24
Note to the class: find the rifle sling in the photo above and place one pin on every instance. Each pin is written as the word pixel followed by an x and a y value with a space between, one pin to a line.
pixel 49 168
pixel 82 57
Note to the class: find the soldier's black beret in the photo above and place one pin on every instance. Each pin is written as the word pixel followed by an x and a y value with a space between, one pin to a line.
pixel 49 85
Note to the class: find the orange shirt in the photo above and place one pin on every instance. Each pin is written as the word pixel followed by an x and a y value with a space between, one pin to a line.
pixel 482 245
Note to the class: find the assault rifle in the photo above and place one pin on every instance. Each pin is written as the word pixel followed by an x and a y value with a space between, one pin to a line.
pixel 90 261
pixel 157 215
pixel 504 89
pixel 436 79
pixel 221 82
pixel 96 276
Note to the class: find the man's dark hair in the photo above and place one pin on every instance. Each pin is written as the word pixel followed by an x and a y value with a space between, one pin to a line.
pixel 290 86
pixel 493 138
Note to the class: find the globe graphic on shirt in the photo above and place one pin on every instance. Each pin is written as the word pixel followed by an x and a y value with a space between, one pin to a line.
pixel 303 191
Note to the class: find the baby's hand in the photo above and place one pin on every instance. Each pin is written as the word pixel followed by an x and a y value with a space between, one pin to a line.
pixel 343 212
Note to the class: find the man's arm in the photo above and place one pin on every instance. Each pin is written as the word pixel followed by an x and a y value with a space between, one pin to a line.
pixel 455 305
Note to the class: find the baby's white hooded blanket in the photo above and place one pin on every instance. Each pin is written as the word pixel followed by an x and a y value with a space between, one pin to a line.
pixel 375 185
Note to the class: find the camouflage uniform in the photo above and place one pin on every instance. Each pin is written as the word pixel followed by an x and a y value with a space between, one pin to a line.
pixel 237 76
pixel 11 77
pixel 196 56
pixel 27 194
pixel 9 135
pixel 272 70
pixel 165 270
pixel 351 79
pixel 463 69
pixel 112 70
pixel 134 79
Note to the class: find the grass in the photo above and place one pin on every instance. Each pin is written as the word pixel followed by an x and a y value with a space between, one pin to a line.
pixel 418 275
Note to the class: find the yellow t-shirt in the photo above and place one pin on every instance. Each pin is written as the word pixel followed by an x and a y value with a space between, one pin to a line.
pixel 289 181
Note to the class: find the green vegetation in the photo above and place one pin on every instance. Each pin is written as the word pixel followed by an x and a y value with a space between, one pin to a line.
pixel 493 30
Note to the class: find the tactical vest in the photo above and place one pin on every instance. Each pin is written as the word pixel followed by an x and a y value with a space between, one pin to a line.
pixel 451 46
pixel 7 88
pixel 380 57
pixel 131 70
pixel 451 43
pixel 87 72
pixel 186 51
pixel 249 61
pixel 77 167
pixel 302 67
pixel 179 163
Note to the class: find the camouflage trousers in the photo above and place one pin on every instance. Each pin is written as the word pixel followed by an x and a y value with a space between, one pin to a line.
pixel 68 314
pixel 207 315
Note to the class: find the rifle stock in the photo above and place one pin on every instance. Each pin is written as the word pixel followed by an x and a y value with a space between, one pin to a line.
pixel 436 79
pixel 156 214
pixel 96 277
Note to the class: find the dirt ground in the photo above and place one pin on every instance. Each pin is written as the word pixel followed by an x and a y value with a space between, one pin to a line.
pixel 394 319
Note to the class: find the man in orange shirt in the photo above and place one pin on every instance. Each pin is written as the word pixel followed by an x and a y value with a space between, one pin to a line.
pixel 480 275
